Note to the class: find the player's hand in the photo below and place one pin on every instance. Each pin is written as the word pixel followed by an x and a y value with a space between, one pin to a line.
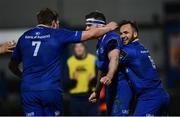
pixel 106 80
pixel 93 97
pixel 113 25
pixel 8 46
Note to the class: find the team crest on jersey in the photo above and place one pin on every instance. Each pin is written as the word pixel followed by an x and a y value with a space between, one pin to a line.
pixel 37 33
pixel 122 54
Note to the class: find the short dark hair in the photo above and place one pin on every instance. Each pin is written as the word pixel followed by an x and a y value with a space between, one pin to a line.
pixel 46 16
pixel 132 23
pixel 97 15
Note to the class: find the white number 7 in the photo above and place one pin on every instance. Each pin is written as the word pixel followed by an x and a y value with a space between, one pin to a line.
pixel 37 44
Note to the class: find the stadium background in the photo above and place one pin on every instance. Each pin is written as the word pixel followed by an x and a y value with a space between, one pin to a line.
pixel 158 21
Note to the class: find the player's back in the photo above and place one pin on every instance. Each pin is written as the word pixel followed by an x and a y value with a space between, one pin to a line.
pixel 41 50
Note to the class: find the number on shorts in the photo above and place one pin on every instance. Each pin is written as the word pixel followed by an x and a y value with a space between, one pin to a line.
pixel 37 45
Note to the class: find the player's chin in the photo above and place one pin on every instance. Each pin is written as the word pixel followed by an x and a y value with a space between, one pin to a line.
pixel 125 42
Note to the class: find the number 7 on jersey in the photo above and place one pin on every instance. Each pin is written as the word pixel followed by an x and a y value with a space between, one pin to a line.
pixel 37 45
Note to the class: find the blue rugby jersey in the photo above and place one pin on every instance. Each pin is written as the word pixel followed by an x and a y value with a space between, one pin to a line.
pixel 140 68
pixel 118 93
pixel 103 48
pixel 40 50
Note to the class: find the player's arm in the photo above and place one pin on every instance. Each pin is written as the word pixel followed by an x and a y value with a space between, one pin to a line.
pixel 14 67
pixel 112 68
pixel 95 95
pixel 16 60
pixel 96 32
pixel 99 85
pixel 7 47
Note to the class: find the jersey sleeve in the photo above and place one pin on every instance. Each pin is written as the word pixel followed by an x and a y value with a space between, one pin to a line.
pixel 16 55
pixel 114 43
pixel 68 36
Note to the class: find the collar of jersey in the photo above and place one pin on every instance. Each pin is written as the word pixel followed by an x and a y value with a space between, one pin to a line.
pixel 135 40
pixel 103 38
pixel 42 25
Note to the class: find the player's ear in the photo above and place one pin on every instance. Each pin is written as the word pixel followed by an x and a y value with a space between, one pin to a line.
pixel 53 24
pixel 135 34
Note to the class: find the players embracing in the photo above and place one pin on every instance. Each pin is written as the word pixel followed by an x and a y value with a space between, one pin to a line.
pixel 122 61
pixel 140 70
pixel 40 50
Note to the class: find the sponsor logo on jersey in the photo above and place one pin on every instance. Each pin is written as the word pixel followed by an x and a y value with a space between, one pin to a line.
pixel 37 36
pixel 144 52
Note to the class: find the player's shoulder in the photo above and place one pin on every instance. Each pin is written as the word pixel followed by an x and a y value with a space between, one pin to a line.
pixel 62 30
pixel 129 48
pixel 133 49
pixel 140 45
pixel 25 34
pixel 31 31
pixel 112 34
pixel 136 45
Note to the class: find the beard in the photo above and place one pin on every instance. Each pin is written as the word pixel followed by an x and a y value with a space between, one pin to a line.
pixel 132 39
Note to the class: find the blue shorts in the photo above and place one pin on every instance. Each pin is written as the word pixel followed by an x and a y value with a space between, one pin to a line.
pixel 118 98
pixel 80 106
pixel 42 103
pixel 152 103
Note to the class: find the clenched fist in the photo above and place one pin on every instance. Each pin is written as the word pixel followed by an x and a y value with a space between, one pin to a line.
pixel 93 97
